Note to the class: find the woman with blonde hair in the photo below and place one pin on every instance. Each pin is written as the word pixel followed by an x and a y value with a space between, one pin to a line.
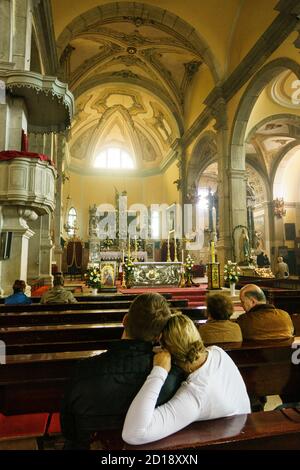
pixel 214 387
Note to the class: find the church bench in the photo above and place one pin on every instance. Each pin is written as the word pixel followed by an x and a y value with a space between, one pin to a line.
pixel 50 317
pixel 35 382
pixel 270 430
pixel 102 305
pixel 99 297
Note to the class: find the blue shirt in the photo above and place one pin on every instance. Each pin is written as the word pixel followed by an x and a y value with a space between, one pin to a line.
pixel 18 298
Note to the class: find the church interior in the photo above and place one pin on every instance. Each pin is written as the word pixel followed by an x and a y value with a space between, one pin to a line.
pixel 167 107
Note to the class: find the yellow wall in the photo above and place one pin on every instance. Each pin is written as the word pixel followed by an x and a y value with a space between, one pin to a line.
pixel 169 190
pixel 86 191
pixel 198 90
pixel 254 18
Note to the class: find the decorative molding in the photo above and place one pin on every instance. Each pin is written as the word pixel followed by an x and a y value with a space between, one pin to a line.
pixel 43 20
pixel 28 182
pixel 58 112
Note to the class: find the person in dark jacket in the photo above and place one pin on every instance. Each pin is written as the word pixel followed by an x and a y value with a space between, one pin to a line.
pixel 18 297
pixel 103 387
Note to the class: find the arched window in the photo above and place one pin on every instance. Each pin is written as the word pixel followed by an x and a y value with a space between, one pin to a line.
pixel 71 221
pixel 114 158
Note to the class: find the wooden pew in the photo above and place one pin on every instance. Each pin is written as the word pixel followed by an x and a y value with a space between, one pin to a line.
pixel 79 316
pixel 35 383
pixel 271 430
pixel 98 297
pixel 102 305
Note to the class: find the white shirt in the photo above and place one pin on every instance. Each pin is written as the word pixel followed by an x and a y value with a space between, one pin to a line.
pixel 213 391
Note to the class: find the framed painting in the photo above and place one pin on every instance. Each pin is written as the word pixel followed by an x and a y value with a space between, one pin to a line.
pixel 108 273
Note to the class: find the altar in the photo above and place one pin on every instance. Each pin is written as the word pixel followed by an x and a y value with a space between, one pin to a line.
pixel 156 274
pixel 118 255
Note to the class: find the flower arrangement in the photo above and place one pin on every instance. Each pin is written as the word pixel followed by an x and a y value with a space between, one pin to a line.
pixel 128 267
pixel 231 272
pixel 189 263
pixel 93 277
pixel 108 242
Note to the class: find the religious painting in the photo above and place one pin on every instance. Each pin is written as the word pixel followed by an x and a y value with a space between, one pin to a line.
pixel 171 218
pixel 149 246
pixel 108 273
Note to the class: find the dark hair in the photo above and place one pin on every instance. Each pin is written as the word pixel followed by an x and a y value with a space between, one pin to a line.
pixel 58 280
pixel 257 294
pixel 19 286
pixel 219 306
pixel 147 316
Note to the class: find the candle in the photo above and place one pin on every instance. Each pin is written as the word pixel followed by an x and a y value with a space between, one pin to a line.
pixel 123 256
pixel 212 252
pixel 128 247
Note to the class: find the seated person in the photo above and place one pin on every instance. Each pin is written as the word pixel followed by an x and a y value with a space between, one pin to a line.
pixel 103 386
pixel 262 260
pixel 218 328
pixel 18 297
pixel 214 387
pixel 58 294
pixel 262 321
pixel 282 269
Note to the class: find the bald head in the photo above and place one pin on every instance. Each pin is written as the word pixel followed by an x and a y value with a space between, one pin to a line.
pixel 251 295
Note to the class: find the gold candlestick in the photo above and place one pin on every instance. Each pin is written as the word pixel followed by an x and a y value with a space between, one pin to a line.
pixel 168 252
pixel 175 251
pixel 123 285
pixel 135 250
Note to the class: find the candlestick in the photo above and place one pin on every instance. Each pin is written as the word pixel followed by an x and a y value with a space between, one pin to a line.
pixel 128 247
pixel 212 252
pixel 168 252
pixel 135 249
pixel 175 251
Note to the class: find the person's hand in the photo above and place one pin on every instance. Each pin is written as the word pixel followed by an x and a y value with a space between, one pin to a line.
pixel 162 359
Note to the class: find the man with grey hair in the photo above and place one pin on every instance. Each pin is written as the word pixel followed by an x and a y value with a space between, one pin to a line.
pixel 262 321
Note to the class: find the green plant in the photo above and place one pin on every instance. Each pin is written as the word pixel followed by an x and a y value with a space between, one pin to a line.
pixel 93 277
pixel 231 272
pixel 128 268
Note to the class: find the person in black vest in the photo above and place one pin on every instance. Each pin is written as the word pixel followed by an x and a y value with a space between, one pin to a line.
pixel 103 386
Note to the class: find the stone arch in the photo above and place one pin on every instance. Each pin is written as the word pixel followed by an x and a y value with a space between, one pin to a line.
pixel 247 102
pixel 204 153
pixel 281 154
pixel 146 14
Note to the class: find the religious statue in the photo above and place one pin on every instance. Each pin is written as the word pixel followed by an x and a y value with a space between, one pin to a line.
pixel 244 246
pixel 93 221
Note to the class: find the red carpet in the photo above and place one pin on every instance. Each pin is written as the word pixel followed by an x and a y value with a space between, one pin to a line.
pixel 195 295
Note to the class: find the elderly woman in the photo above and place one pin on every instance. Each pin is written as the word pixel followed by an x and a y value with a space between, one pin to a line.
pixel 218 328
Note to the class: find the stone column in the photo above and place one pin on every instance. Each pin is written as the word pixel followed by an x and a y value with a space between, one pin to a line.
pixel 231 187
pixel 33 271
pixel 17 122
pixel 60 153
pixel 15 221
pixel 46 250
pixel 22 26
pixel 6 28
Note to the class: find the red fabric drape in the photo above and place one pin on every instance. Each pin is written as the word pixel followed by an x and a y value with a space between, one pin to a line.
pixel 11 154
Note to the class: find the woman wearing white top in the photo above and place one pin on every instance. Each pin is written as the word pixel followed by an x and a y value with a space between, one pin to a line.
pixel 213 389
